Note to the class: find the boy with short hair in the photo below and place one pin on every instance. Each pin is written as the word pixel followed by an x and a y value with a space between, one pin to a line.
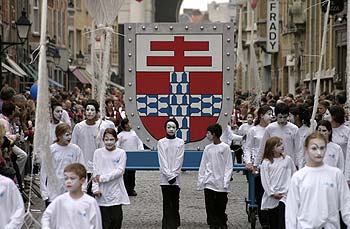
pixel 214 177
pixel 73 209
pixel 11 204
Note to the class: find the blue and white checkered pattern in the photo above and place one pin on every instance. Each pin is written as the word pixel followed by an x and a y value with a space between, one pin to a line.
pixel 179 104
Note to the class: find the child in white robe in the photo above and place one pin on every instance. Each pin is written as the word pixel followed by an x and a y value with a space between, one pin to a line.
pixel 11 204
pixel 318 192
pixel 73 209
pixel 108 184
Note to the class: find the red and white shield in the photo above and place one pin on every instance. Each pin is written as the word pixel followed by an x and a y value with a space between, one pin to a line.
pixel 175 73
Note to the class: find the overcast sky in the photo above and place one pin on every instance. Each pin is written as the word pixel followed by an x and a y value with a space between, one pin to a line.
pixel 197 4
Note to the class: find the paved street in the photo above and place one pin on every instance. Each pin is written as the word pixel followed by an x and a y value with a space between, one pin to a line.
pixel 145 210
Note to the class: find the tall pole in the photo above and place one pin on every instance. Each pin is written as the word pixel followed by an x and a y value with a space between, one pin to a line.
pixel 348 58
pixel 311 44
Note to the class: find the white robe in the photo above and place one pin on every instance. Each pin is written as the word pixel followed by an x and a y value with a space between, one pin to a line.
pixel 251 147
pixel 315 197
pixel 340 136
pixel 61 156
pixel 275 178
pixel 334 156
pixel 110 165
pixel 228 136
pixel 216 168
pixel 11 205
pixel 170 156
pixel 89 138
pixel 129 141
pixel 65 212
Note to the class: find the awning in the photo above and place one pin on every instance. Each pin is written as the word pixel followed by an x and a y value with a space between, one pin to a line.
pixel 15 66
pixel 34 74
pixel 8 68
pixel 78 73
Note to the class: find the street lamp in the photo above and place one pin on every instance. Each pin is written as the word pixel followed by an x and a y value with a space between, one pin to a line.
pixel 22 26
pixel 80 58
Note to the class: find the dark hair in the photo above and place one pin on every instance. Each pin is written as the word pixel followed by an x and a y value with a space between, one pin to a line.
pixel 8 108
pixel 303 112
pixel 76 168
pixel 124 122
pixel 7 93
pixel 262 110
pixel 338 114
pixel 93 103
pixel 54 104
pixel 172 120
pixel 109 99
pixel 281 108
pixel 324 103
pixel 215 129
pixel 269 147
pixel 110 131
pixel 341 97
pixel 314 136
pixel 328 125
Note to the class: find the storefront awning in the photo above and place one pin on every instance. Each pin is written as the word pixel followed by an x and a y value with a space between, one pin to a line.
pixel 15 66
pixel 34 74
pixel 8 68
pixel 78 73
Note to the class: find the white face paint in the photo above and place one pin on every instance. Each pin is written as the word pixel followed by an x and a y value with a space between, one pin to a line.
pixel 109 142
pixel 250 119
pixel 57 113
pixel 267 117
pixel 316 150
pixel 209 136
pixel 71 181
pixel 90 112
pixel 324 131
pixel 65 138
pixel 171 128
pixel 282 119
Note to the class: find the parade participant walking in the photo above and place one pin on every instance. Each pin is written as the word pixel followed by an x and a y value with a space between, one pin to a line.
pixel 214 177
pixel 276 172
pixel 11 205
pixel 56 115
pixel 87 135
pixel 63 153
pixel 287 131
pixel 334 154
pixel 108 185
pixel 251 150
pixel 129 141
pixel 318 191
pixel 170 155
pixel 74 209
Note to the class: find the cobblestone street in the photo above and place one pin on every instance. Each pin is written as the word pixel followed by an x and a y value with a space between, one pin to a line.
pixel 145 210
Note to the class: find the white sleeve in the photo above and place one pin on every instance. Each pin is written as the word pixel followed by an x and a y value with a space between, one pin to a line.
pixel 75 135
pixel 47 220
pixel 265 178
pixel 261 149
pixel 344 200
pixel 65 118
pixel 292 205
pixel 80 156
pixel 95 216
pixel 347 162
pixel 299 149
pixel 117 172
pixel 163 163
pixel 201 172
pixel 228 167
pixel 179 160
pixel 43 181
pixel 340 162
pixel 17 217
pixel 139 144
pixel 95 186
pixel 119 140
pixel 248 147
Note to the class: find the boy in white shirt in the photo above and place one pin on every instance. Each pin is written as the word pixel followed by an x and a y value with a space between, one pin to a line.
pixel 11 205
pixel 214 177
pixel 170 155
pixel 74 209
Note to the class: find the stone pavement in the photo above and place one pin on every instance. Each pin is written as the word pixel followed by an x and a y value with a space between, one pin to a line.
pixel 145 210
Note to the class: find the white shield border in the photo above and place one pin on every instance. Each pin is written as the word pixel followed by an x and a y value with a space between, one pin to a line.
pixel 228 61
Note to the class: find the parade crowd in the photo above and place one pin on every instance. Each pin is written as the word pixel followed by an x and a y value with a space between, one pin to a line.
pixel 301 166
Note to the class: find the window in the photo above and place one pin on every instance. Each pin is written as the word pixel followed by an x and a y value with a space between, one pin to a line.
pixel 63 28
pixel 36 19
pixel 78 4
pixel 59 35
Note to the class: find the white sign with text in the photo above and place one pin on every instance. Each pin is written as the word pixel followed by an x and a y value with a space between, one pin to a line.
pixel 272 26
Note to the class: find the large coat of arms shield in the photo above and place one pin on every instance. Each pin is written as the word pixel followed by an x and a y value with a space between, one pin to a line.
pixel 178 71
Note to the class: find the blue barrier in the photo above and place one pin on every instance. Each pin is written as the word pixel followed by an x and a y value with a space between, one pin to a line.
pixel 148 160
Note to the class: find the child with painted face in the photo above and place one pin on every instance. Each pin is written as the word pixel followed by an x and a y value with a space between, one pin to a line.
pixel 214 177
pixel 63 153
pixel 287 131
pixel 170 156
pixel 73 209
pixel 56 115
pixel 318 191
pixel 88 133
pixel 108 184
pixel 334 154
pixel 276 172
